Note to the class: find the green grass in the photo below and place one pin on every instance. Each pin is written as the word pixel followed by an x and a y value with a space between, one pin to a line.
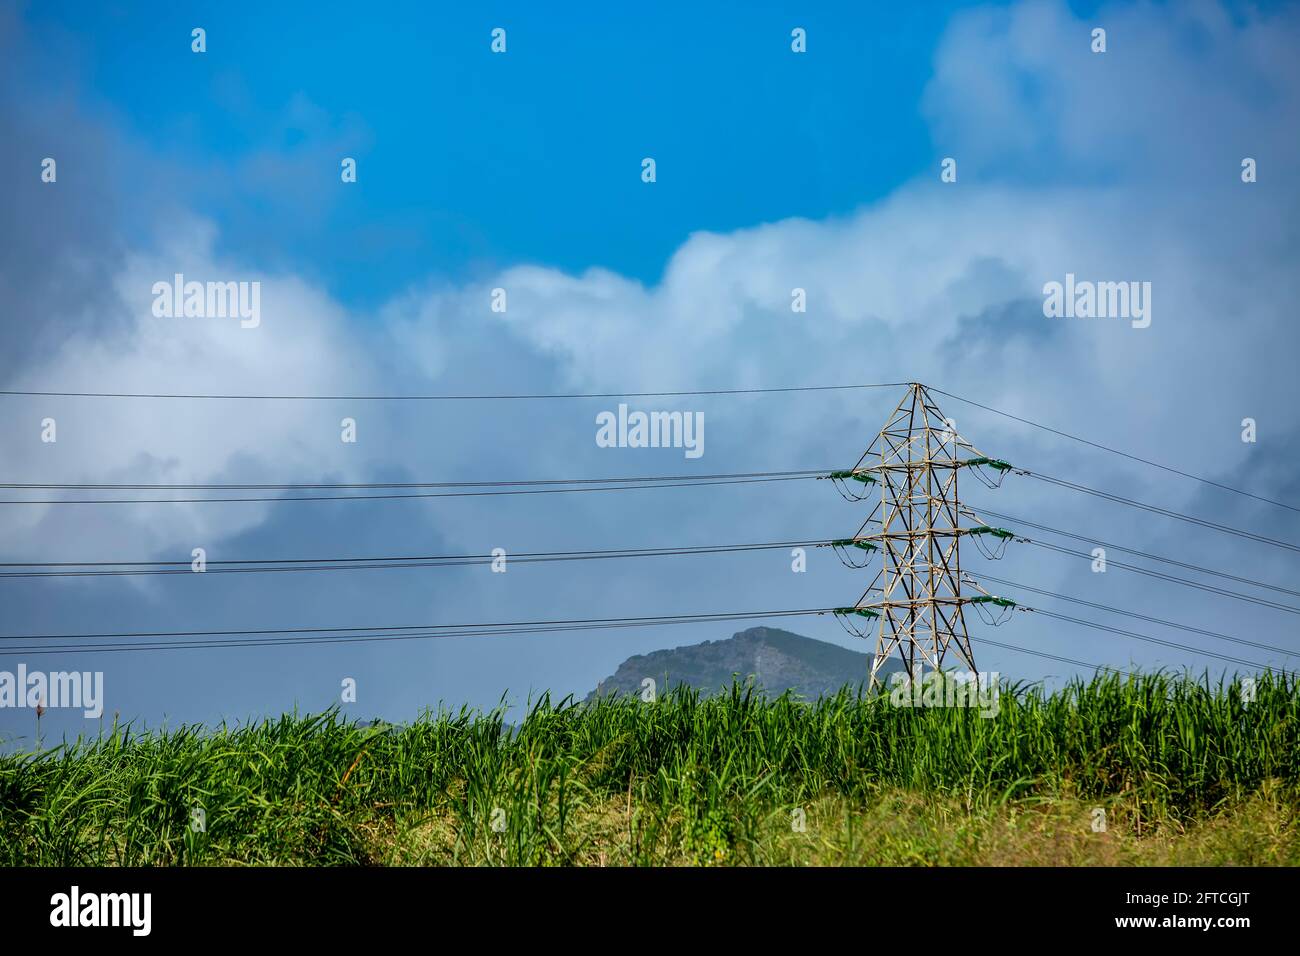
pixel 1183 769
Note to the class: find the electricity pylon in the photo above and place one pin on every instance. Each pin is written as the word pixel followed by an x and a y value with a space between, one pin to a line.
pixel 917 594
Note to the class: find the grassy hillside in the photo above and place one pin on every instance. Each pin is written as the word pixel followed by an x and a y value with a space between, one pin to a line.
pixel 1184 772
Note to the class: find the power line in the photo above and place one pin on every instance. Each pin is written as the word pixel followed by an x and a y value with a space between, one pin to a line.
pixel 1148 639
pixel 1155 509
pixel 1150 572
pixel 1123 454
pixel 253 565
pixel 1142 617
pixel 351 635
pixel 1021 522
pixel 450 397
pixel 1054 657
pixel 489 633
pixel 725 615
pixel 389 497
pixel 229 486
pixel 368 635
pixel 348 563
pixel 345 635
pixel 645 394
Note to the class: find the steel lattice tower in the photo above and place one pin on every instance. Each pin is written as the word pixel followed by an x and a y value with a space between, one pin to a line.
pixel 917 595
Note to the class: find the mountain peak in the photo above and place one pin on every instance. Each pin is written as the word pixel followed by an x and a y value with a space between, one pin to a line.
pixel 777 660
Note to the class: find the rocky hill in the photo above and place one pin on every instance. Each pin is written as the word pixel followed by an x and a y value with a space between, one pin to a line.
pixel 777 661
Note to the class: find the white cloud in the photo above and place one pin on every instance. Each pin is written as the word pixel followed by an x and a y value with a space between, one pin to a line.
pixel 302 346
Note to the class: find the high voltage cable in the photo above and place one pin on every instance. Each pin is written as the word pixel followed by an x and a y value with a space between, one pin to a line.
pixel 439 494
pixel 452 397
pixel 452 560
pixel 1116 451
pixel 1155 509
pixel 296 636
pixel 724 615
pixel 1142 617
pixel 584 485
pixel 262 637
pixel 1021 522
pixel 194 645
pixel 1053 657
pixel 426 631
pixel 660 481
pixel 252 565
pixel 460 631
pixel 645 394
pixel 230 486
pixel 1150 572
pixel 1150 640
pixel 363 638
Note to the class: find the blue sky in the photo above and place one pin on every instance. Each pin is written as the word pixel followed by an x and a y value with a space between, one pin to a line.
pixel 775 170
pixel 471 161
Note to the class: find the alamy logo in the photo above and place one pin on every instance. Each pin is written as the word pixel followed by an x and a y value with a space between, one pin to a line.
pixel 103 909
pixel 209 300
pixel 950 689
pixel 1098 300
pixel 54 689
pixel 651 430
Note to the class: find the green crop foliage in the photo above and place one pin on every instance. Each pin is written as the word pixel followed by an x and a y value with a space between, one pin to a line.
pixel 686 779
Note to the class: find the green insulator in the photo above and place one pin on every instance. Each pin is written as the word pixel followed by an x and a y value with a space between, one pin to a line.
pixel 855 543
pixel 864 477
pixel 860 611
pixel 995 463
